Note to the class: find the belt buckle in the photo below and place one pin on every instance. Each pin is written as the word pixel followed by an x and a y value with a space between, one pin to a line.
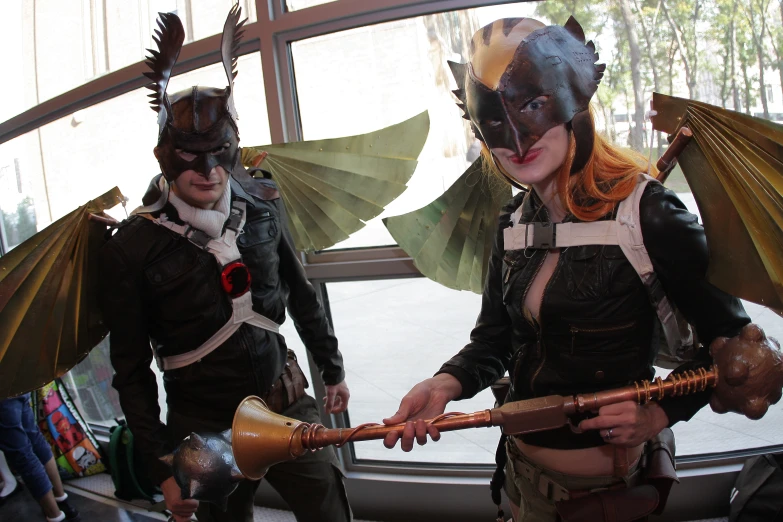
pixel 543 235
pixel 551 489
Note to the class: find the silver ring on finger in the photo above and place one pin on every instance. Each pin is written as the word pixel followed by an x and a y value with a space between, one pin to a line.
pixel 608 435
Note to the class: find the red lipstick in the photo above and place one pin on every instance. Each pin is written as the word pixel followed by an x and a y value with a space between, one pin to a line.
pixel 531 155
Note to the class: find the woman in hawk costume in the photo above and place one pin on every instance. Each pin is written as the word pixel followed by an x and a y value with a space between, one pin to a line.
pixel 562 315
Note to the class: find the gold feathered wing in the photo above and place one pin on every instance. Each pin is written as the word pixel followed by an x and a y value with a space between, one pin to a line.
pixel 332 187
pixel 49 317
pixel 734 167
pixel 450 239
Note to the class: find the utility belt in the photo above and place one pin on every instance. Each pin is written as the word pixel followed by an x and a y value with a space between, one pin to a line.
pixel 631 498
pixel 288 388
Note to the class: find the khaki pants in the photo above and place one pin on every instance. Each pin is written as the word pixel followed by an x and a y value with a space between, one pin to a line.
pixel 536 489
pixel 312 485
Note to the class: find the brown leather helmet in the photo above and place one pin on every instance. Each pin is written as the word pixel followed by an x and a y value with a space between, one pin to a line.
pixel 200 121
pixel 513 63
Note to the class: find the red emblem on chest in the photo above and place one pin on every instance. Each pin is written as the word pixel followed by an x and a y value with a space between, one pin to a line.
pixel 235 279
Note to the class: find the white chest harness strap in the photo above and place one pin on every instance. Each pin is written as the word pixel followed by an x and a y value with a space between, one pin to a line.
pixel 625 231
pixel 225 250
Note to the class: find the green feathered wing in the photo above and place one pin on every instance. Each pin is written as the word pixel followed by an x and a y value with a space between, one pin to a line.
pixel 332 187
pixel 450 239
pixel 734 167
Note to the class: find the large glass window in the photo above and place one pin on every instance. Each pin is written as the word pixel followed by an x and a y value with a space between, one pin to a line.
pixel 79 157
pixel 295 5
pixel 53 47
pixel 371 77
pixel 89 384
pixel 393 334
pixel 18 217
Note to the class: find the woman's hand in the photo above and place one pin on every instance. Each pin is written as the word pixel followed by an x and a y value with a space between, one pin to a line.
pixel 628 424
pixel 426 400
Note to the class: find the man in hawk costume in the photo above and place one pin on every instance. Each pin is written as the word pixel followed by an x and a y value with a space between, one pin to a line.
pixel 199 279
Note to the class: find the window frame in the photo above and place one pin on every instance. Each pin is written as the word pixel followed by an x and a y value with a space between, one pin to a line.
pixel 272 36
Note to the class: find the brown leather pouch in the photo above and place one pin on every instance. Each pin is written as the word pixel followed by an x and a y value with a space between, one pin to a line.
pixel 289 388
pixel 659 469
pixel 622 505
pixel 635 503
pixel 294 379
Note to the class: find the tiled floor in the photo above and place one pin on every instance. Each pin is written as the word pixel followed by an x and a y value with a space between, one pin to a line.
pixel 101 486
pixel 22 508
pixel 93 508
pixel 94 498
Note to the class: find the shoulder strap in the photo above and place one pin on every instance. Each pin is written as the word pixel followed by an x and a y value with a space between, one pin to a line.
pixel 625 231
pixel 115 442
pixel 631 241
pixel 130 458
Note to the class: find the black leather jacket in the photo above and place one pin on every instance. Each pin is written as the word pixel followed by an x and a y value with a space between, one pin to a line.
pixel 158 287
pixel 596 324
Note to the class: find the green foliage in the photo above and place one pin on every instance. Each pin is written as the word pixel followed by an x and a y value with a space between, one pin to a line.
pixel 25 219
pixel 687 48
pixel 20 225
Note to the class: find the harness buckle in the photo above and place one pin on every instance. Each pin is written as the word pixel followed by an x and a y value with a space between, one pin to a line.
pixel 197 237
pixel 544 235
pixel 234 219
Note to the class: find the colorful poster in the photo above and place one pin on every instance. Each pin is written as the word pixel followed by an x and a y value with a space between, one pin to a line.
pixel 50 400
pixel 82 457
pixel 73 444
pixel 64 429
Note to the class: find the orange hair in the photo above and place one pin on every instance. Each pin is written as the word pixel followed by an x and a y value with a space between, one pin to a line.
pixel 608 177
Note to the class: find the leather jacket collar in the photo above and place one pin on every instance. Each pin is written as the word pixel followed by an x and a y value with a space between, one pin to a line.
pixel 241 184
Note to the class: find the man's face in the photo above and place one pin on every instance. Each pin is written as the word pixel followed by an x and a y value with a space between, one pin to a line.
pixel 200 191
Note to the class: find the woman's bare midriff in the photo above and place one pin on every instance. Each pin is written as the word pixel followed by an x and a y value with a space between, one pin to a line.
pixel 598 461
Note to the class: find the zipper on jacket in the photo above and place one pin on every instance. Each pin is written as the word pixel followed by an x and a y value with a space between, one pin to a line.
pixel 247 342
pixel 575 330
pixel 524 296
pixel 540 347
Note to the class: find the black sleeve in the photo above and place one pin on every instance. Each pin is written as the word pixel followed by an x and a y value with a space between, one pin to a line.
pixel 131 355
pixel 485 359
pixel 306 310
pixel 678 249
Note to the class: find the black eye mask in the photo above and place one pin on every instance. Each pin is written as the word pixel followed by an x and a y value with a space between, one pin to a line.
pixel 553 62
pixel 201 126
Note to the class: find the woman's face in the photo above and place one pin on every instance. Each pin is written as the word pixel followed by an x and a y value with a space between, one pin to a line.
pixel 540 162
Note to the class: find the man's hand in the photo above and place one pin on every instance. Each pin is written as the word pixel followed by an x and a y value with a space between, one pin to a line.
pixel 426 400
pixel 628 424
pixel 336 400
pixel 181 510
